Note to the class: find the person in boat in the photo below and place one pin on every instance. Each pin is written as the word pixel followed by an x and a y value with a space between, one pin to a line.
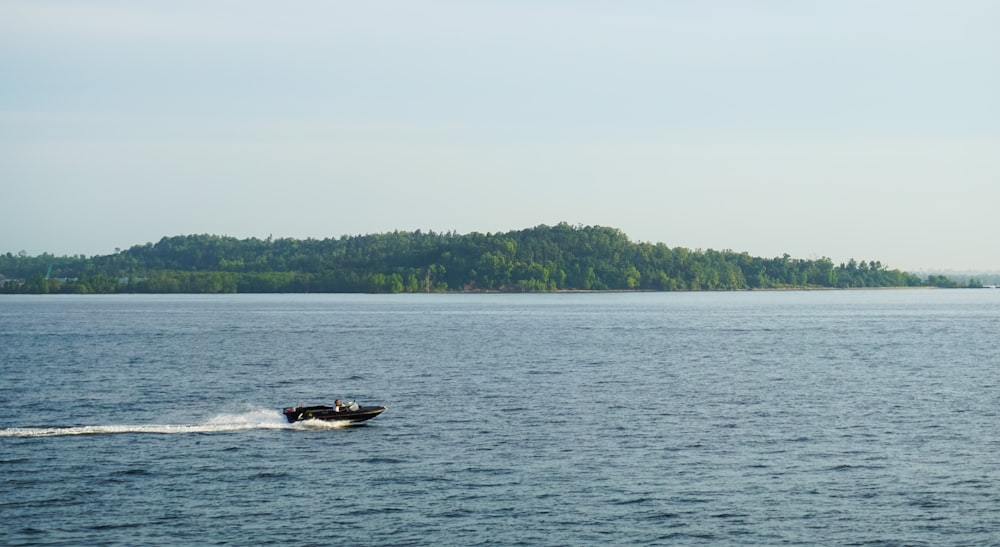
pixel 337 405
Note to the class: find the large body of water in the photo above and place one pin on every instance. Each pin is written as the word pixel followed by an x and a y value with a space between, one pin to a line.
pixel 829 417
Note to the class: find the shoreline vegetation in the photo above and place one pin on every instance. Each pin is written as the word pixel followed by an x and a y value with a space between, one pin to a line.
pixel 561 258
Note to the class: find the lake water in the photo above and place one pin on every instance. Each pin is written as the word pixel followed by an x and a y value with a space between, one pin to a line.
pixel 830 417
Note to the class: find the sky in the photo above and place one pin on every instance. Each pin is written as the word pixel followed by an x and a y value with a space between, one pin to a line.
pixel 851 129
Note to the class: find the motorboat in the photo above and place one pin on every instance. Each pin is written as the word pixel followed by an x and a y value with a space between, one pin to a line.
pixel 339 412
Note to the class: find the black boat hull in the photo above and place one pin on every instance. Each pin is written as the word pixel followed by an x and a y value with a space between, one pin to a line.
pixel 331 414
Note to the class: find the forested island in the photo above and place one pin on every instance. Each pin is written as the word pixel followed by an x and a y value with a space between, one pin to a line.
pixel 539 259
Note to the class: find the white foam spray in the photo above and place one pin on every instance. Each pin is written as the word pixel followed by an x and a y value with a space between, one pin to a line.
pixel 222 423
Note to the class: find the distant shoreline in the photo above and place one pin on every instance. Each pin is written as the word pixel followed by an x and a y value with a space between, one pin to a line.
pixel 561 258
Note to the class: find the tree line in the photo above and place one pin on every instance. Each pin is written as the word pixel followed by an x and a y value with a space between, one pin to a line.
pixel 539 259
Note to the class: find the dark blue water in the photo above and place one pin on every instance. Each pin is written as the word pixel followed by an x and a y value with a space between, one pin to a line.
pixel 841 417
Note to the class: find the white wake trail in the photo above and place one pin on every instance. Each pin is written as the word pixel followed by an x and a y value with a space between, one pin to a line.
pixel 222 423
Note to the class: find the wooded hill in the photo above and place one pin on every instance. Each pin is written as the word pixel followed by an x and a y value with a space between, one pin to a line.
pixel 543 258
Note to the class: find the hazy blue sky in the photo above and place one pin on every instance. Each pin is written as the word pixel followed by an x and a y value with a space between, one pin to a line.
pixel 865 129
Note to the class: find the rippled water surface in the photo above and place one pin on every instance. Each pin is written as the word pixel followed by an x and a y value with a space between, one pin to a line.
pixel 836 417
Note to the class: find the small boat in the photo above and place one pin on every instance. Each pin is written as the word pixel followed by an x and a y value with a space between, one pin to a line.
pixel 339 412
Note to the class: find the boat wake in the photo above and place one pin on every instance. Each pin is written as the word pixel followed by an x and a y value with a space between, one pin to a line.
pixel 222 423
